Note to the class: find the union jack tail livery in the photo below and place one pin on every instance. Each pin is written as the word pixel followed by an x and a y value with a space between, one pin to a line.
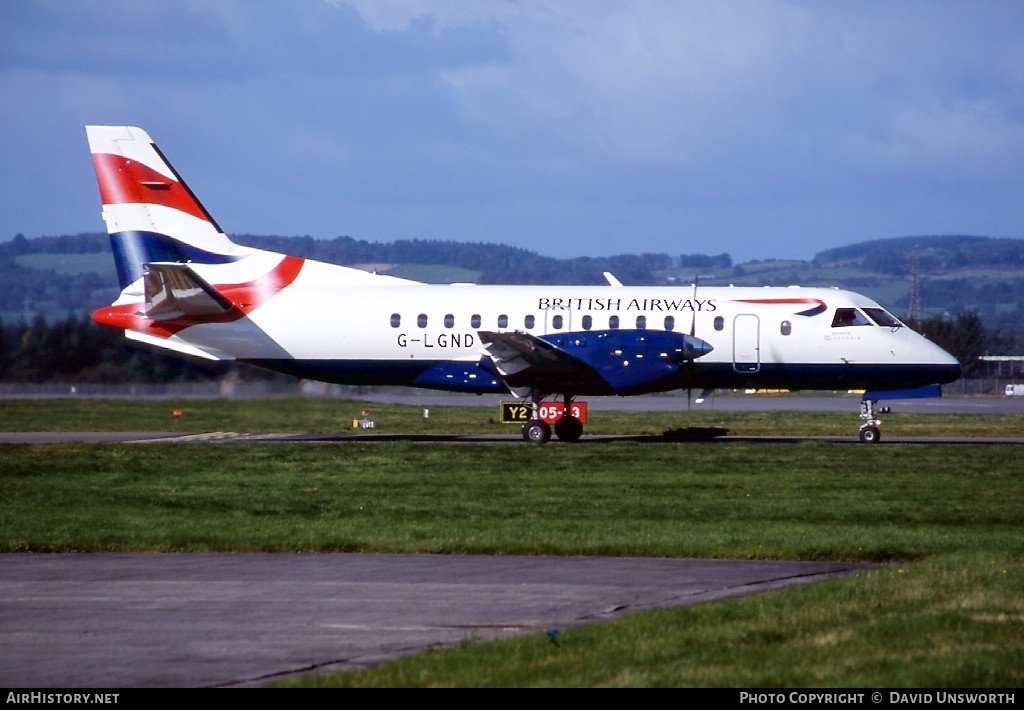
pixel 151 214
pixel 187 288
pixel 169 253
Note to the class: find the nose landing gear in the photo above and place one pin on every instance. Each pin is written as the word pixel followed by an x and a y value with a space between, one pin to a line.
pixel 869 433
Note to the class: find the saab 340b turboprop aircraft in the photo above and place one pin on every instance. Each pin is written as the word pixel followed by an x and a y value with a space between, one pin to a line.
pixel 187 288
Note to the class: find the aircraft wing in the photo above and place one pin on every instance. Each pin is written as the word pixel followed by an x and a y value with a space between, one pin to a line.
pixel 524 362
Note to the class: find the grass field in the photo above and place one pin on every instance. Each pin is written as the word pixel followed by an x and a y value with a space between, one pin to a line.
pixel 335 416
pixel 945 609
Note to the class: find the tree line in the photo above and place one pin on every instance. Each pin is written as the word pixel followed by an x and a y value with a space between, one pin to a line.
pixel 497 264
pixel 75 349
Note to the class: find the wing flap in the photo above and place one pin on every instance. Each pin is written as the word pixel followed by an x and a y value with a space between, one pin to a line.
pixel 526 363
pixel 512 353
pixel 173 290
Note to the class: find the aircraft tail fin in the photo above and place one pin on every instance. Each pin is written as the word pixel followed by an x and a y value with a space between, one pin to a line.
pixel 152 216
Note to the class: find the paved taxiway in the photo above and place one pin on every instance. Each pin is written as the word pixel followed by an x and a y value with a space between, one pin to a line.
pixel 216 620
pixel 669 404
pixel 230 437
pixel 730 402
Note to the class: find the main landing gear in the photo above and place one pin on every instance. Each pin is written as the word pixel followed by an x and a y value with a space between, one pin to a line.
pixel 567 427
pixel 537 430
pixel 869 433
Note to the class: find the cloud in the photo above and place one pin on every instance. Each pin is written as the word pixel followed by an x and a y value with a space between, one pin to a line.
pixel 547 125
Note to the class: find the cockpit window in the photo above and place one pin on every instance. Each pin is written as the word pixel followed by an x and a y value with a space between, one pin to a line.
pixel 849 316
pixel 883 317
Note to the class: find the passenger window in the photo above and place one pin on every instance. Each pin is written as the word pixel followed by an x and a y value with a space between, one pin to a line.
pixel 474 320
pixel 421 320
pixel 849 316
pixel 396 320
pixel 719 323
pixel 449 320
pixel 613 322
pixel 670 323
pixel 588 322
pixel 641 322
pixel 786 328
pixel 556 322
pixel 503 321
pixel 529 322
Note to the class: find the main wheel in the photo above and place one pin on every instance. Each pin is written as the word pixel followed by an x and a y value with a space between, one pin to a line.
pixel 870 435
pixel 568 428
pixel 537 430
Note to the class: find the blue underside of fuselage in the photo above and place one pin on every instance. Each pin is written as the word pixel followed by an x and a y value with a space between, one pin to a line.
pixel 479 377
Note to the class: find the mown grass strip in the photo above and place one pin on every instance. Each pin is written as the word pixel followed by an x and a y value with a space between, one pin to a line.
pixel 720 499
pixel 945 610
pixel 335 416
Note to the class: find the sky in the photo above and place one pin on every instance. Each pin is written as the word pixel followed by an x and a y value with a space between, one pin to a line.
pixel 767 129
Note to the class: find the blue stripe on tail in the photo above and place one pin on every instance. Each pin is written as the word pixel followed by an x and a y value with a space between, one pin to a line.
pixel 132 249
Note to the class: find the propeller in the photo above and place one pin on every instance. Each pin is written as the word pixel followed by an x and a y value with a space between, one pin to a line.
pixel 693 334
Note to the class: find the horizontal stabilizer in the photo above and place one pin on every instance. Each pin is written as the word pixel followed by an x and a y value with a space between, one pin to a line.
pixel 175 345
pixel 916 393
pixel 174 290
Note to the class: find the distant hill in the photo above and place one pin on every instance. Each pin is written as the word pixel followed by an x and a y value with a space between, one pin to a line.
pixel 956 273
pixel 936 254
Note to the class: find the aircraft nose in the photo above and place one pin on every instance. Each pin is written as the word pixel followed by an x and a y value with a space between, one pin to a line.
pixel 949 372
pixel 946 367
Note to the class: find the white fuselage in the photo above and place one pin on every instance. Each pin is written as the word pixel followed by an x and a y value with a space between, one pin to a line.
pixel 336 324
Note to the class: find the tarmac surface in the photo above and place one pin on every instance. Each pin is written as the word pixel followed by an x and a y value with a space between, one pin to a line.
pixel 237 620
pixel 230 437
pixel 670 404
pixel 731 402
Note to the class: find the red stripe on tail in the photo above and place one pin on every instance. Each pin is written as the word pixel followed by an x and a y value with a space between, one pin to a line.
pixel 124 181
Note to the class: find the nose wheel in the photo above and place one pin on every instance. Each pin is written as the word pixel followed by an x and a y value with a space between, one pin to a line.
pixel 869 433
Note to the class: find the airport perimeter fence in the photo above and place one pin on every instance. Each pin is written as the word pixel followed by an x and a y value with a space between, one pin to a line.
pixel 224 389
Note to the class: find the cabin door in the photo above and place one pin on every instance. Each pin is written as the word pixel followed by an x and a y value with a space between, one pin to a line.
pixel 746 343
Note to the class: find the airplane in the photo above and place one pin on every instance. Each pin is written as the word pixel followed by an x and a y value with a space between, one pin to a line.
pixel 187 288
